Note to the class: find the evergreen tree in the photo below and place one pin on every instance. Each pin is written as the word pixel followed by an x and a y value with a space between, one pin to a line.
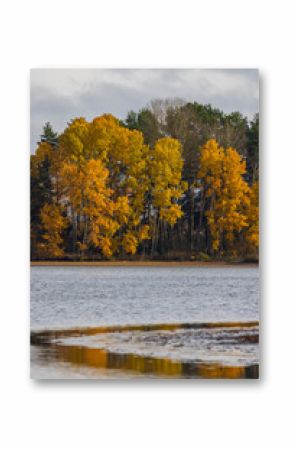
pixel 253 149
pixel 49 136
pixel 146 122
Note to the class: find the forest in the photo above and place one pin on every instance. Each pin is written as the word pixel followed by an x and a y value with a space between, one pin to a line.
pixel 173 181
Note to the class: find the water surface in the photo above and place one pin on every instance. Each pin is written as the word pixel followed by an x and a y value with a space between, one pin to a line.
pixel 144 321
pixel 64 297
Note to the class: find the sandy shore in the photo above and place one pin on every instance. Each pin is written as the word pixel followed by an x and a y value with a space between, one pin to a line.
pixel 149 263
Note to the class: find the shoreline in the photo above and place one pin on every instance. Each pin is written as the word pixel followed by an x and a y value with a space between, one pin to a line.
pixel 148 263
pixel 56 333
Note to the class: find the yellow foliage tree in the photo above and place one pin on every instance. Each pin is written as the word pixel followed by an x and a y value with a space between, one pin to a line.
pixel 53 225
pixel 165 170
pixel 223 186
pixel 252 213
pixel 43 151
pixel 166 187
pixel 123 154
pixel 85 192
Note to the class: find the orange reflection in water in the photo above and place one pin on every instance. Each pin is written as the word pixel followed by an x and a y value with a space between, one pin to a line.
pixel 161 367
pixel 138 364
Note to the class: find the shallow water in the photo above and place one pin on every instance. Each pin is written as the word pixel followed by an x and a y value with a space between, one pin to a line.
pixel 91 298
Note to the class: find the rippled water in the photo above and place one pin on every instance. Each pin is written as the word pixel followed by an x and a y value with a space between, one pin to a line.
pixel 66 299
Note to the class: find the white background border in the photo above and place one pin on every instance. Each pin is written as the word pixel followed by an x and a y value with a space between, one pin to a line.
pixel 203 34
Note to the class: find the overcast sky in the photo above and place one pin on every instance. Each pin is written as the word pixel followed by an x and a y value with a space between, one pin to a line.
pixel 58 95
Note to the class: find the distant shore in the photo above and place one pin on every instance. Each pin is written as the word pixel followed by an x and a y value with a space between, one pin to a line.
pixel 140 263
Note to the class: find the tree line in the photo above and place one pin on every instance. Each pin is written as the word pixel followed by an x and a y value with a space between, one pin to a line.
pixel 174 180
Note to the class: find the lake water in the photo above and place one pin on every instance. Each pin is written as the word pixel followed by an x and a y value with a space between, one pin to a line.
pixel 101 318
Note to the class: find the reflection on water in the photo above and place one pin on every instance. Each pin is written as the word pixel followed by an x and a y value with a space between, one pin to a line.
pixel 198 350
pixel 99 358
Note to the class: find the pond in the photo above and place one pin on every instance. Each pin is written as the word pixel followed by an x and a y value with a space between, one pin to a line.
pixel 103 322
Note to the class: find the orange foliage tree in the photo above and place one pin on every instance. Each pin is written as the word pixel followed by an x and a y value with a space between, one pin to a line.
pixel 123 154
pixel 221 178
pixel 53 225
pixel 87 198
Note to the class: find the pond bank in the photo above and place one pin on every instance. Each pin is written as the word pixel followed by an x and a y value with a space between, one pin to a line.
pixel 131 263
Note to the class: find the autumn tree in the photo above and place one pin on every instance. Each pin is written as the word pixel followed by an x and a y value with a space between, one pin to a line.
pixel 53 224
pixel 226 194
pixel 123 154
pixel 166 187
pixel 251 233
pixel 87 197
pixel 192 124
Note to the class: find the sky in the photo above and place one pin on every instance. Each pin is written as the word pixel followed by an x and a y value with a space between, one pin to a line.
pixel 59 95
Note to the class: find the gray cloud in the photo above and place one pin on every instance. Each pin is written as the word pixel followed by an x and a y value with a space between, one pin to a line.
pixel 58 95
